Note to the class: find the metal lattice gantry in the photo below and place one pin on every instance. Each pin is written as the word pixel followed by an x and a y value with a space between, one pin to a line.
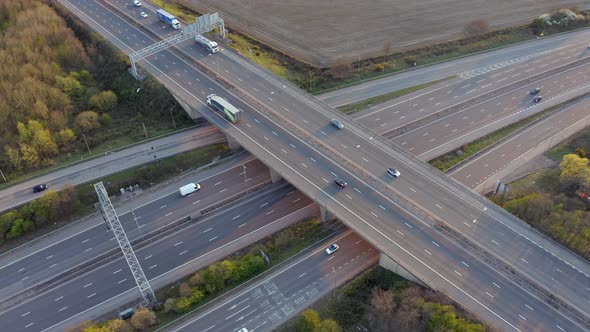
pixel 111 217
pixel 203 24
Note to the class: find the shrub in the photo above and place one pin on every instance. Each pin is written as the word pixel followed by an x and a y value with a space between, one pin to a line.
pixel 184 290
pixel 378 67
pixel 170 305
pixel 143 318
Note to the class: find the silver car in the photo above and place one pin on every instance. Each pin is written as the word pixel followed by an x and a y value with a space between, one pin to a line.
pixel 337 124
pixel 332 249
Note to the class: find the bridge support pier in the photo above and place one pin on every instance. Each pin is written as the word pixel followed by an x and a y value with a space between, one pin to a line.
pixel 194 114
pixel 233 144
pixel 393 266
pixel 274 176
pixel 326 215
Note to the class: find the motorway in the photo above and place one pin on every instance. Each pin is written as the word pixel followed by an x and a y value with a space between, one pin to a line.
pixel 372 201
pixel 441 118
pixel 64 255
pixel 516 149
pixel 267 304
pixel 163 260
pixel 463 67
pixel 115 161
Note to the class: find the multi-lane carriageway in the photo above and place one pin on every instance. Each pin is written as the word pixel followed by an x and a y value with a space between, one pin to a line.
pixel 289 132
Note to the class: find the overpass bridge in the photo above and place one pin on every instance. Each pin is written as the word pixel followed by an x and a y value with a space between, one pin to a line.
pixel 438 231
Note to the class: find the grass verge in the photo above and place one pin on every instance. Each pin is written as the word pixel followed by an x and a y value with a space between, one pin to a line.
pixel 452 158
pixel 366 103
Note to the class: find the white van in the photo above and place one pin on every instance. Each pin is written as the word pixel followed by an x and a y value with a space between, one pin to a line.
pixel 189 189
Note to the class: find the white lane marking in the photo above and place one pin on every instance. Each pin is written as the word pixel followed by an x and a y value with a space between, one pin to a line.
pixel 88 285
pixel 85 241
pixel 301 275
pixel 529 307
pixel 242 225
pixel 196 202
pixel 62 309
pixel 284 151
pixel 436 244
pixel 148 257
pixel 119 270
pixel 237 312
pixel 458 273
pixel 163 206
pixel 524 260
pixel 91 295
pixel 521 316
pixel 348 196
pixel 49 257
pixel 29 325
pixel 373 213
pixel 153 266
pixel 26 313
pixel 462 262
pixel 236 217
pixel 400 233
pixel 182 253
pixel 302 164
pixel 263 205
pixel 495 242
pixel 336 175
pixel 313 160
pixel 559 327
pixel 59 298
pixel 410 226
pixel 52 265
pixel 440 207
pixel 205 231
pixel 428 252
pixel 168 214
pixel 213 238
pixel 296 200
pixel 293 146
pixel 495 284
pixel 358 191
pixel 178 243
pixel 412 189
pixel 326 180
pixel 122 281
pixel 269 212
pixel 382 207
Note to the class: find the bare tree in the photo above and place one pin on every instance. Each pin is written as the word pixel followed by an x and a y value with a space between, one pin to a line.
pixel 476 28
pixel 386 49
pixel 341 69
pixel 381 310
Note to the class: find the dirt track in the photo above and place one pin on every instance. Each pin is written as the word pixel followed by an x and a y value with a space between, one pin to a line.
pixel 321 31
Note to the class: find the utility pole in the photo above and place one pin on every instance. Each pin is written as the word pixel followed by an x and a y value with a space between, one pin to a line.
pixel 3 176
pixel 172 116
pixel 86 141
pixel 144 130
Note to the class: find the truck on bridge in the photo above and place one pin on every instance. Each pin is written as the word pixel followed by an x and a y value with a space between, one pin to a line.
pixel 168 18
pixel 230 112
pixel 212 46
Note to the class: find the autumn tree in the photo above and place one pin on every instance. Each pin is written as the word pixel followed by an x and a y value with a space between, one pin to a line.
pixel 329 325
pixel 105 101
pixel 143 318
pixel 87 121
pixel 574 170
pixel 184 289
pixel 308 321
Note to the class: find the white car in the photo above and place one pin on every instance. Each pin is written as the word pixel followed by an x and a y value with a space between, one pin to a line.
pixel 136 3
pixel 393 172
pixel 332 249
pixel 337 124
pixel 143 14
pixel 243 329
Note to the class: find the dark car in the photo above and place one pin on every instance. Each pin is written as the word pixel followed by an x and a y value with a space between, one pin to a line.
pixel 39 188
pixel 340 183
pixel 535 91
pixel 537 99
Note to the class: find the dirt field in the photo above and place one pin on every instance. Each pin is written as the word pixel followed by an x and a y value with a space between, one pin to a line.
pixel 322 31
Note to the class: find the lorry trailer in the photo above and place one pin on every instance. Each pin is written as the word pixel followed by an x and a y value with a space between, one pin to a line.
pixel 208 44
pixel 168 18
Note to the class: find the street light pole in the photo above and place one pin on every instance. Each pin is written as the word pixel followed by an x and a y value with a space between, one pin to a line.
pixel 86 141
pixel 172 116
pixel 244 168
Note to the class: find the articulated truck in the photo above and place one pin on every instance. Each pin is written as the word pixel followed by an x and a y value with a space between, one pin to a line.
pixel 230 112
pixel 168 18
pixel 208 44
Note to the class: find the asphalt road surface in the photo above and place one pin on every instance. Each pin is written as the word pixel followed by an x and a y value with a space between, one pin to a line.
pixel 515 150
pixel 64 255
pixel 435 121
pixel 462 67
pixel 323 32
pixel 116 161
pixel 372 204
pixel 267 304
pixel 200 244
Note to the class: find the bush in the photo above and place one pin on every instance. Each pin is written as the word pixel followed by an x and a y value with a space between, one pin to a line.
pixel 410 60
pixel 170 305
pixel 308 321
pixel 87 121
pixel 378 68
pixel 143 318
pixel 184 290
